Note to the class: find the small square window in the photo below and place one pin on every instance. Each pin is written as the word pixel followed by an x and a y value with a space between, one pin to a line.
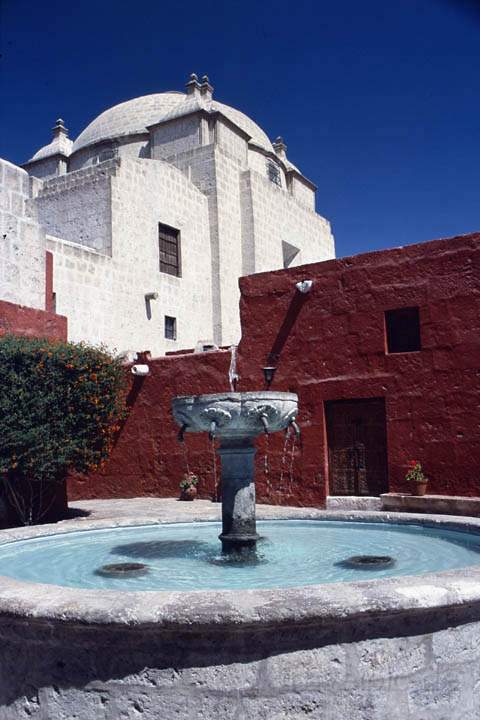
pixel 170 328
pixel 106 155
pixel 273 172
pixel 403 330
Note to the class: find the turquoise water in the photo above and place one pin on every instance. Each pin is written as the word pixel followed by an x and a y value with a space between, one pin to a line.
pixel 187 556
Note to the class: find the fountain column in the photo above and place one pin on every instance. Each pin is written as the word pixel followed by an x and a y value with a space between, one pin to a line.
pixel 236 419
pixel 238 494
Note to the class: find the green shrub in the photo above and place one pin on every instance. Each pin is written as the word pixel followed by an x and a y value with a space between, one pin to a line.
pixel 60 407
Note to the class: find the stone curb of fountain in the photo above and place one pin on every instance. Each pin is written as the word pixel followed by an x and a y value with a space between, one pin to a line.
pixel 160 611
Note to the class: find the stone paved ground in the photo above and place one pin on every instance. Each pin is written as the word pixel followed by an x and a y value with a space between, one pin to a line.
pixel 165 509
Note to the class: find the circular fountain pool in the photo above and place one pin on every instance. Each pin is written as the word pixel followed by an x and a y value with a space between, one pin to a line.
pixel 296 635
pixel 187 556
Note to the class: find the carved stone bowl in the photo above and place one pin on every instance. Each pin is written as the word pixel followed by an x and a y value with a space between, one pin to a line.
pixel 236 415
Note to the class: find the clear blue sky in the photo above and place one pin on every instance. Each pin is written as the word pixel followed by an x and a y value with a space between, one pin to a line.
pixel 378 101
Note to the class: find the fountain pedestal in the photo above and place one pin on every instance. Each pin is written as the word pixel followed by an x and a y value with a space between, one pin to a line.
pixel 236 419
pixel 238 495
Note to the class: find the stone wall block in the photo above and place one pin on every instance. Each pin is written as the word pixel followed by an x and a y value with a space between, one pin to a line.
pixel 457 645
pixel 436 697
pixel 388 658
pixel 305 668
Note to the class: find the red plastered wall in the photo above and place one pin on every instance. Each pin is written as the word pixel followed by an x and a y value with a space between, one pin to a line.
pixel 328 345
pixel 21 320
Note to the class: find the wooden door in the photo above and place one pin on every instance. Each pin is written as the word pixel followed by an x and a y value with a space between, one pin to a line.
pixel 357 447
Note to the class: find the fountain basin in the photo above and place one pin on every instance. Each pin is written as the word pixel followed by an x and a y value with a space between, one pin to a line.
pixel 404 647
pixel 235 415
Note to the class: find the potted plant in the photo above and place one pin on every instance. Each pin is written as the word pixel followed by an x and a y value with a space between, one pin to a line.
pixel 188 486
pixel 416 476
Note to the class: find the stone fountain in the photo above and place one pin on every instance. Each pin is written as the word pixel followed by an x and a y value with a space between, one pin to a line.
pixel 237 419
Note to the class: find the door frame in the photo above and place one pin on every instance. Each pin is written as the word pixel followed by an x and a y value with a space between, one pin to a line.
pixel 346 400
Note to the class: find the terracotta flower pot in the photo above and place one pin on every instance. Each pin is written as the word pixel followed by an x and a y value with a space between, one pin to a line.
pixel 189 493
pixel 420 488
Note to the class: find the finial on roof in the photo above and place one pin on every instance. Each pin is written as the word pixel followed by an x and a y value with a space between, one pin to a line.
pixel 193 86
pixel 280 147
pixel 59 128
pixel 206 89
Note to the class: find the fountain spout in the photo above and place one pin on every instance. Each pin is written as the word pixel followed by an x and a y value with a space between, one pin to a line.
pixel 264 421
pixel 233 376
pixel 181 432
pixel 295 427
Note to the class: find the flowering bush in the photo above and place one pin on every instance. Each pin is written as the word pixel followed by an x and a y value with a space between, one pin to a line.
pixel 60 407
pixel 415 472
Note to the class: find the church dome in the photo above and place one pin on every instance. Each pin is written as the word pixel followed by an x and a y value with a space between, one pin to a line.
pixel 134 116
pixel 61 143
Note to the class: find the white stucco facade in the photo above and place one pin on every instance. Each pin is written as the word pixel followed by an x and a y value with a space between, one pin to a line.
pixel 186 161
pixel 102 282
pixel 22 240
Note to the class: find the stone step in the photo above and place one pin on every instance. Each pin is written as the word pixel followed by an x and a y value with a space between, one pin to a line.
pixel 442 504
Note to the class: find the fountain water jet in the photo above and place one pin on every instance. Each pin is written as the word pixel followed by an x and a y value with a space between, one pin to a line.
pixel 236 419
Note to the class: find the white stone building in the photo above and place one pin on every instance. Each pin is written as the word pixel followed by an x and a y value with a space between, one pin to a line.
pixel 157 209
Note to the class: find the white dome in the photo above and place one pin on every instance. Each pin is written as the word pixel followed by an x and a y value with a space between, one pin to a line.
pixel 61 143
pixel 134 116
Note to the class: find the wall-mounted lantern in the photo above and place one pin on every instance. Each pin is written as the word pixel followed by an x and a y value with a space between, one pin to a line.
pixel 268 374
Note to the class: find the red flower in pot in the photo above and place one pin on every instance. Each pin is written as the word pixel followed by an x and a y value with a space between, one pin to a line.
pixel 416 476
pixel 188 486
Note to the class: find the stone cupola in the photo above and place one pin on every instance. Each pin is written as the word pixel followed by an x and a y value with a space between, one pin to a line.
pixel 52 159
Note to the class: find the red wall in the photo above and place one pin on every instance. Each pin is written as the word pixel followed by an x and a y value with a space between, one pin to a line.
pixel 147 458
pixel 49 295
pixel 330 345
pixel 22 320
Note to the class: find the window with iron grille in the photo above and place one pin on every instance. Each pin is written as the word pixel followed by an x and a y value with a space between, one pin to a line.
pixel 273 172
pixel 169 248
pixel 170 328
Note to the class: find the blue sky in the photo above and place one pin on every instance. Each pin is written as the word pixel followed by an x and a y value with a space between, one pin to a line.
pixel 378 101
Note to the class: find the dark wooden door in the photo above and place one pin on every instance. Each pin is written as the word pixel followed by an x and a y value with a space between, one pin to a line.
pixel 357 447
